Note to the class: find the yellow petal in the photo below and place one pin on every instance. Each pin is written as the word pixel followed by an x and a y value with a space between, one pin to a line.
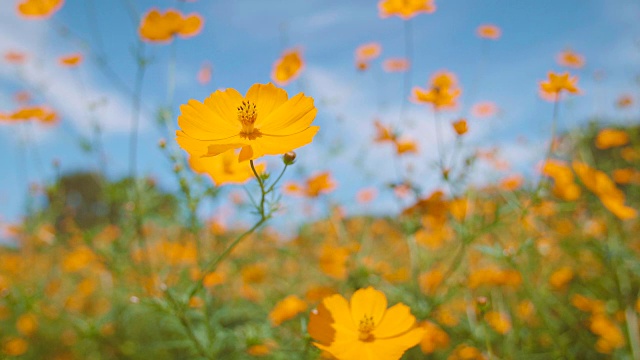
pixel 267 97
pixel 396 320
pixel 201 122
pixel 293 116
pixel 393 348
pixel 339 309
pixel 225 104
pixel 368 302
pixel 320 328
pixel 276 145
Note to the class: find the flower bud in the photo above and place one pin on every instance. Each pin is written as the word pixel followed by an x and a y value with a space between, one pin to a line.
pixel 289 158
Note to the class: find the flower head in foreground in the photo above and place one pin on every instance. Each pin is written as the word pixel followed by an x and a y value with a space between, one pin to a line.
pixel 263 122
pixel 162 27
pixel 559 82
pixel 406 9
pixel 364 329
pixel 38 9
pixel 288 67
pixel 489 32
pixel 224 169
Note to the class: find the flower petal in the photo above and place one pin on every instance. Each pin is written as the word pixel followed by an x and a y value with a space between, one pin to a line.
pixel 397 320
pixel 393 348
pixel 291 117
pixel 225 104
pixel 267 97
pixel 368 302
pixel 276 145
pixel 201 122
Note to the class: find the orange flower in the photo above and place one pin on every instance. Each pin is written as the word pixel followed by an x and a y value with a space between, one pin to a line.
pixel 363 329
pixel 624 101
pixel 484 109
pixel 288 67
pixel 406 146
pixel 71 60
pixel 333 260
pixel 498 321
pixel 15 57
pixel 434 338
pixel 365 53
pixel 406 9
pixel 557 83
pixel 162 27
pixel 489 31
pixel 383 133
pixel 263 122
pixel 287 309
pixel 204 74
pixel 442 93
pixel 609 138
pixel 366 195
pixel 224 169
pixel 41 113
pixel 601 185
pixel 564 187
pixel 315 186
pixel 570 59
pixel 396 65
pixel 15 346
pixel 38 9
pixel 461 127
pixel 368 51
pixel 512 182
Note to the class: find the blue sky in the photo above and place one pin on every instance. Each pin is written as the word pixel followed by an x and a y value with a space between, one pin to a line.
pixel 243 38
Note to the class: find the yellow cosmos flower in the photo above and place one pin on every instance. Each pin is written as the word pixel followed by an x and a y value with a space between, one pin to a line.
pixel 162 27
pixel 224 169
pixel 559 82
pixel 38 9
pixel 571 59
pixel 405 9
pixel 610 138
pixel 288 67
pixel 287 309
pixel 489 31
pixel 263 122
pixel 364 329
pixel 442 92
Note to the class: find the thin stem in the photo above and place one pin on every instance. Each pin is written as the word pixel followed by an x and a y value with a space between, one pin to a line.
pixel 554 121
pixel 179 312
pixel 408 54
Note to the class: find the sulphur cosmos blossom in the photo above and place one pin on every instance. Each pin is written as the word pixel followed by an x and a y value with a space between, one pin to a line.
pixel 405 9
pixel 40 113
pixel 314 186
pixel 224 169
pixel 263 122
pixel 363 328
pixel 558 83
pixel 288 67
pixel 570 58
pixel 71 60
pixel 460 127
pixel 286 309
pixel 442 92
pixel 610 138
pixel 489 31
pixel 162 27
pixel 38 9
pixel 365 53
pixel 396 65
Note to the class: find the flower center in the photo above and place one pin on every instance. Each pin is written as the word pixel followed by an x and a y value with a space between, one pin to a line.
pixel 247 116
pixel 366 328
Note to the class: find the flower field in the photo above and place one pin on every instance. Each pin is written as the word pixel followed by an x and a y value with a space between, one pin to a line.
pixel 172 199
